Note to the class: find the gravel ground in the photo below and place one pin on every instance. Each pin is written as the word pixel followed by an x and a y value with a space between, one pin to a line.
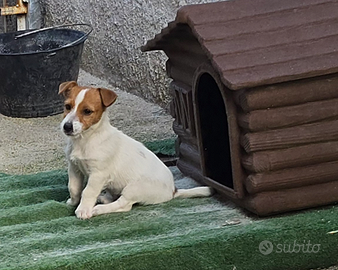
pixel 30 145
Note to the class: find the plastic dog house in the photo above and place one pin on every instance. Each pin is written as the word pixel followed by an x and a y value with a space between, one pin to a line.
pixel 255 99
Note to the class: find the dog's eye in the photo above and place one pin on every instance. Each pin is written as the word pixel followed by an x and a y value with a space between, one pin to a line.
pixel 68 107
pixel 87 112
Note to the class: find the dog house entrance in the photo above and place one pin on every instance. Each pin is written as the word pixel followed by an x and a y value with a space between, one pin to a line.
pixel 214 135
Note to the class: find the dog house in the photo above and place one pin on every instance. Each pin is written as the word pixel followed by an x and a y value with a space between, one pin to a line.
pixel 255 99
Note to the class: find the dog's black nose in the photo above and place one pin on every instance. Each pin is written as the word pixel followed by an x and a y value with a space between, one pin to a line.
pixel 68 127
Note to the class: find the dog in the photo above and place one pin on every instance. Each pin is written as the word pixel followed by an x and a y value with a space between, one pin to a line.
pixel 101 158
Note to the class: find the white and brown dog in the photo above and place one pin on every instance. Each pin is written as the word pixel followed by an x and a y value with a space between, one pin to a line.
pixel 100 157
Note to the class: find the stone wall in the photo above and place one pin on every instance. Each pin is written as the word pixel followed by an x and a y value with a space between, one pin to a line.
pixel 121 27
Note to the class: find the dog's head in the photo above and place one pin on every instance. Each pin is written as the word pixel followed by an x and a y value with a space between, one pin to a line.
pixel 84 106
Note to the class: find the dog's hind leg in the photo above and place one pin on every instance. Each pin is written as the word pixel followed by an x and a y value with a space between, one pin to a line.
pixel 120 205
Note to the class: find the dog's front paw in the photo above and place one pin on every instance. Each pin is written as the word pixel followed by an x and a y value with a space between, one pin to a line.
pixel 83 212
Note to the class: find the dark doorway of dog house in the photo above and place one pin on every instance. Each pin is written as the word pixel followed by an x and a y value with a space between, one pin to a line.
pixel 214 131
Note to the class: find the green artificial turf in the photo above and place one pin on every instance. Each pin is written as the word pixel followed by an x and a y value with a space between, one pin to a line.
pixel 39 231
pixel 162 147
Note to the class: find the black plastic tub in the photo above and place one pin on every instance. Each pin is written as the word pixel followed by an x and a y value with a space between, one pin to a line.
pixel 32 65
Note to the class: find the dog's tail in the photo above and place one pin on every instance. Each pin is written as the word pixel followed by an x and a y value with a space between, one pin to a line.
pixel 194 192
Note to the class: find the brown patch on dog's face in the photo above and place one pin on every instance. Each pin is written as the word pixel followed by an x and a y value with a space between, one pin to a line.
pixel 69 90
pixel 89 111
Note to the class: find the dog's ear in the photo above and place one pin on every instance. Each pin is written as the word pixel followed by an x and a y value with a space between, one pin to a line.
pixel 108 97
pixel 65 87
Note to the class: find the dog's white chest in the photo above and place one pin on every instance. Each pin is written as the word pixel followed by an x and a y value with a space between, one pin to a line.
pixel 81 164
pixel 79 159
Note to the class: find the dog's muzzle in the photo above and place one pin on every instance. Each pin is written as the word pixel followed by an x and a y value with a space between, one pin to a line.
pixel 68 128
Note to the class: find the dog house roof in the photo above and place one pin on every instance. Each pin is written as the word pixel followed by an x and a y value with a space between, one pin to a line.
pixel 253 43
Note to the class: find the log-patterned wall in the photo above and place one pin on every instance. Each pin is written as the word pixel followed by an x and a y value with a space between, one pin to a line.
pixel 185 56
pixel 289 134
pixel 184 127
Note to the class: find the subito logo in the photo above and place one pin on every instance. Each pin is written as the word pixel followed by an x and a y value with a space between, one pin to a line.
pixel 265 247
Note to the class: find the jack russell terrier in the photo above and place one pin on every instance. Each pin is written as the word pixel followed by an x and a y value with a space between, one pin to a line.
pixel 102 158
